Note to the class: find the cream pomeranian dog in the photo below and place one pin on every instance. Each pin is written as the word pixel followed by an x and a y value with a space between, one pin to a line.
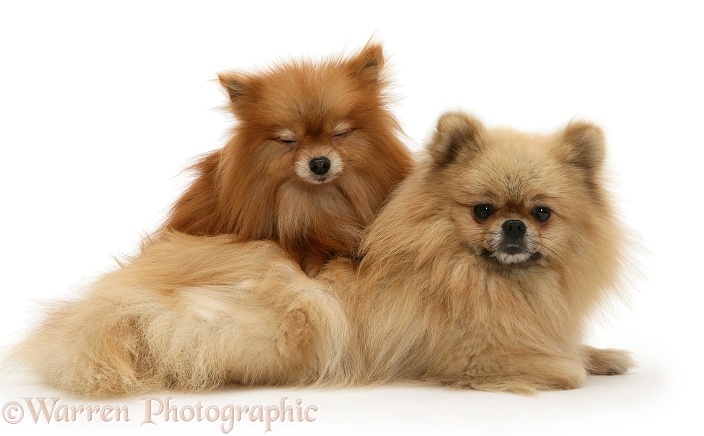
pixel 483 269
pixel 481 272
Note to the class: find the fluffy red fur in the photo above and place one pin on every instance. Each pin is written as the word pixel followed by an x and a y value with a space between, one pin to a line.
pixel 262 184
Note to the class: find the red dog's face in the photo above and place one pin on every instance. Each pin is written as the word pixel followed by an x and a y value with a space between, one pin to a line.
pixel 310 123
pixel 313 156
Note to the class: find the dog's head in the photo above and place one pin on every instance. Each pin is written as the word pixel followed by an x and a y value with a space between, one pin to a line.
pixel 313 122
pixel 518 199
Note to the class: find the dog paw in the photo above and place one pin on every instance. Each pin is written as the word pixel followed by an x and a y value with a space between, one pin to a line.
pixel 522 384
pixel 608 361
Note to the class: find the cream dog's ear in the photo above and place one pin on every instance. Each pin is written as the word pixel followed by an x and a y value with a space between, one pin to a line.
pixel 583 145
pixel 456 133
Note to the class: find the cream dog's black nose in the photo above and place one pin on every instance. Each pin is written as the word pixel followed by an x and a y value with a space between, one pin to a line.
pixel 514 229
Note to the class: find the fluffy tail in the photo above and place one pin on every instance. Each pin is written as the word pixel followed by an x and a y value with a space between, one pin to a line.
pixel 192 314
pixel 89 347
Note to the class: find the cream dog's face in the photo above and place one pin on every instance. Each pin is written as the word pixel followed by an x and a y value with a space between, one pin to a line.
pixel 517 199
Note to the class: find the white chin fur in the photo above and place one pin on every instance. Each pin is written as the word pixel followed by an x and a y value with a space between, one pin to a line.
pixel 509 259
pixel 303 168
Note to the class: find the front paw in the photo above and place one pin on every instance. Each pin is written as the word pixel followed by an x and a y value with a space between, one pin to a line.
pixel 523 385
pixel 608 361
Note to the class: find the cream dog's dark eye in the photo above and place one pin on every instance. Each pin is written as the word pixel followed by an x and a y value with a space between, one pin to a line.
pixel 542 213
pixel 287 140
pixel 483 211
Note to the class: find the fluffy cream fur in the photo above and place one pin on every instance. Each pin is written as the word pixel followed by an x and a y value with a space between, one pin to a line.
pixel 436 301
pixel 192 313
pixel 439 297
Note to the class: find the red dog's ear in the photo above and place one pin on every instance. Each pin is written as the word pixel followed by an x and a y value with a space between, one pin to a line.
pixel 583 145
pixel 456 133
pixel 368 63
pixel 241 88
pixel 233 84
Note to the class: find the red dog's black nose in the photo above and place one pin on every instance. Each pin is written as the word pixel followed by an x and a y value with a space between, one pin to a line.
pixel 319 165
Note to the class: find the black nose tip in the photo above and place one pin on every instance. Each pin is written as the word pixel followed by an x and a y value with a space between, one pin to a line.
pixel 514 229
pixel 319 165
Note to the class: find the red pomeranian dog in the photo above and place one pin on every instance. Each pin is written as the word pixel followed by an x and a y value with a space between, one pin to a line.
pixel 312 158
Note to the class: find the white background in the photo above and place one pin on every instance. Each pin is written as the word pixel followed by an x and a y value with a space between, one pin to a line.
pixel 102 106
